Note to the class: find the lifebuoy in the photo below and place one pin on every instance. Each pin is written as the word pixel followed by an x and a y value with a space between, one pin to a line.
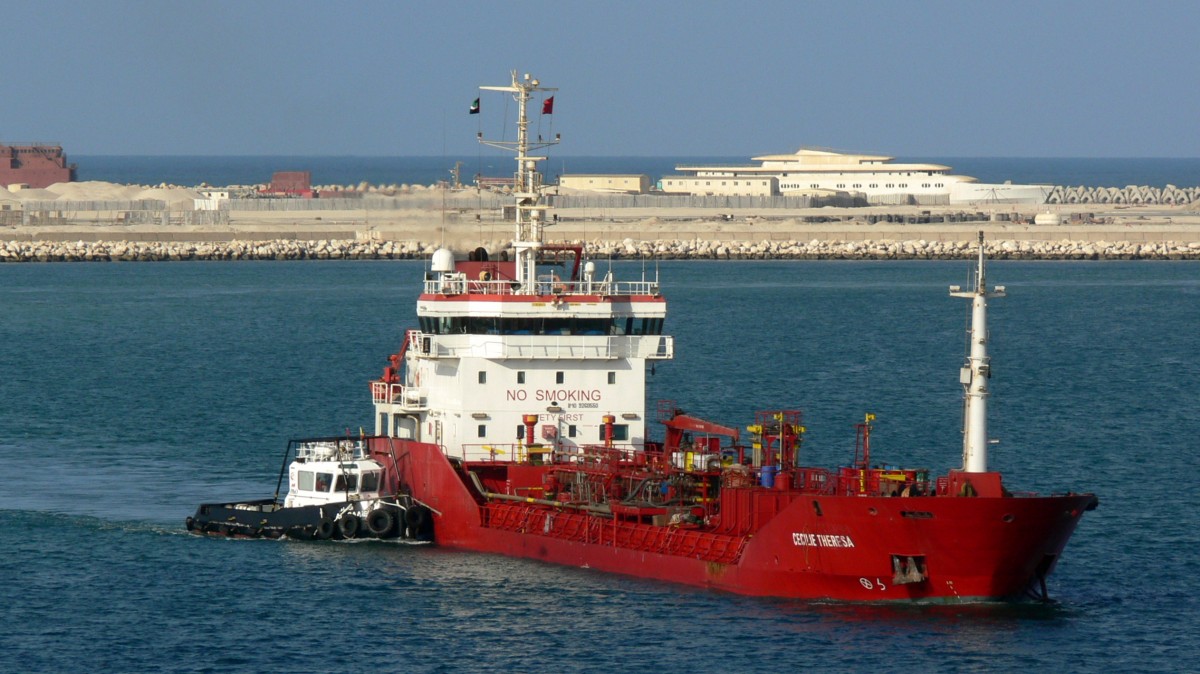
pixel 380 522
pixel 348 525
pixel 324 529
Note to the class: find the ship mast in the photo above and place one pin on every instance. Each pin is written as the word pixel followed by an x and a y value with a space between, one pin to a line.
pixel 530 215
pixel 977 370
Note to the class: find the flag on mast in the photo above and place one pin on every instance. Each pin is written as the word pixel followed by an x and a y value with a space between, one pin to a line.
pixel 475 107
pixel 548 106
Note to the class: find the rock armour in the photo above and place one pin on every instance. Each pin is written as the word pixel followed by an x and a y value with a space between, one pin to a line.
pixel 123 251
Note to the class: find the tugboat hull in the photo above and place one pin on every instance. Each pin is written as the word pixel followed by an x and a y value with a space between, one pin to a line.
pixel 265 518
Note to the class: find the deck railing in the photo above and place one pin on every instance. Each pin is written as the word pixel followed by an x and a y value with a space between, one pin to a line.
pixel 459 284
pixel 653 347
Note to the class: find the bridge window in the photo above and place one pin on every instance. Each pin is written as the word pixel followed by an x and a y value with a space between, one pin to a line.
pixel 482 377
pixel 521 377
pixel 612 377
pixel 643 326
pixel 621 325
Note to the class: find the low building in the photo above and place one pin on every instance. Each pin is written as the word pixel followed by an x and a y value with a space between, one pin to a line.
pixel 732 185
pixel 290 184
pixel 602 182
pixel 212 199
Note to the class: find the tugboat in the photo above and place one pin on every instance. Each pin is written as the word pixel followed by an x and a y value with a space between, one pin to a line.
pixel 335 490
pixel 514 419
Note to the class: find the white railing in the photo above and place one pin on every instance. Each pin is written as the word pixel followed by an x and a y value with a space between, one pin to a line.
pixel 459 284
pixel 387 393
pixel 651 347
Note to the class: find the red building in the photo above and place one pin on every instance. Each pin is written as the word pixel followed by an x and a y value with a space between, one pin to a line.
pixel 34 165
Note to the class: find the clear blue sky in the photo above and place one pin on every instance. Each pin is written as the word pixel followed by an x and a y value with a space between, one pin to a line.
pixel 906 78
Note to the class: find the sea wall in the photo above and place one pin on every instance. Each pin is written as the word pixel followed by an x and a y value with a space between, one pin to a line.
pixel 280 249
pixel 1132 194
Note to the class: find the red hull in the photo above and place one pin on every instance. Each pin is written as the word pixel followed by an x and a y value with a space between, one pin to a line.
pixel 788 543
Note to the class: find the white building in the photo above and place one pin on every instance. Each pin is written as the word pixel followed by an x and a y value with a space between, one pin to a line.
pixel 875 177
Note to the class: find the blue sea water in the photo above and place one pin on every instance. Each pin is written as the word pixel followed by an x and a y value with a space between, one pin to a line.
pixel 253 170
pixel 132 392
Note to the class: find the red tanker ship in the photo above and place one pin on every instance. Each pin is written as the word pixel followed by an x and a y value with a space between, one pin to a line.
pixel 513 421
pixel 516 415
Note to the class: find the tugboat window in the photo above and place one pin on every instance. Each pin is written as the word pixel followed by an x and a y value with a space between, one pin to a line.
pixel 324 481
pixel 304 480
pixel 370 481
pixel 346 483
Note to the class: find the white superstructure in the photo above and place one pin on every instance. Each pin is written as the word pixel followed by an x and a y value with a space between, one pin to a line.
pixel 522 356
pixel 875 177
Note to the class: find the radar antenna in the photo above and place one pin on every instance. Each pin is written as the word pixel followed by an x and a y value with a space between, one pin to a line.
pixel 530 212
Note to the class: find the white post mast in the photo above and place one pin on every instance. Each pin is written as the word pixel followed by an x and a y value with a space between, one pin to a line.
pixel 530 214
pixel 975 374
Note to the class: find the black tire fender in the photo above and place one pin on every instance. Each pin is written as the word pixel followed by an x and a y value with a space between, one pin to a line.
pixel 380 522
pixel 348 525
pixel 324 529
pixel 416 517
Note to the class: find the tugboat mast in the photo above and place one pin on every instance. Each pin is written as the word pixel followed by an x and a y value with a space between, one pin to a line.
pixel 530 216
pixel 977 370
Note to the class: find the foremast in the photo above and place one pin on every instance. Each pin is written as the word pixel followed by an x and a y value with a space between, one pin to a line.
pixel 977 370
pixel 530 212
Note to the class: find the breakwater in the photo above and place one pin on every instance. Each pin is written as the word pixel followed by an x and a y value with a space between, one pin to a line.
pixel 1133 195
pixel 883 249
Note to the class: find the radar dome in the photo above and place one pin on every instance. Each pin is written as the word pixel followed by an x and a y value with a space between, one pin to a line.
pixel 443 260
